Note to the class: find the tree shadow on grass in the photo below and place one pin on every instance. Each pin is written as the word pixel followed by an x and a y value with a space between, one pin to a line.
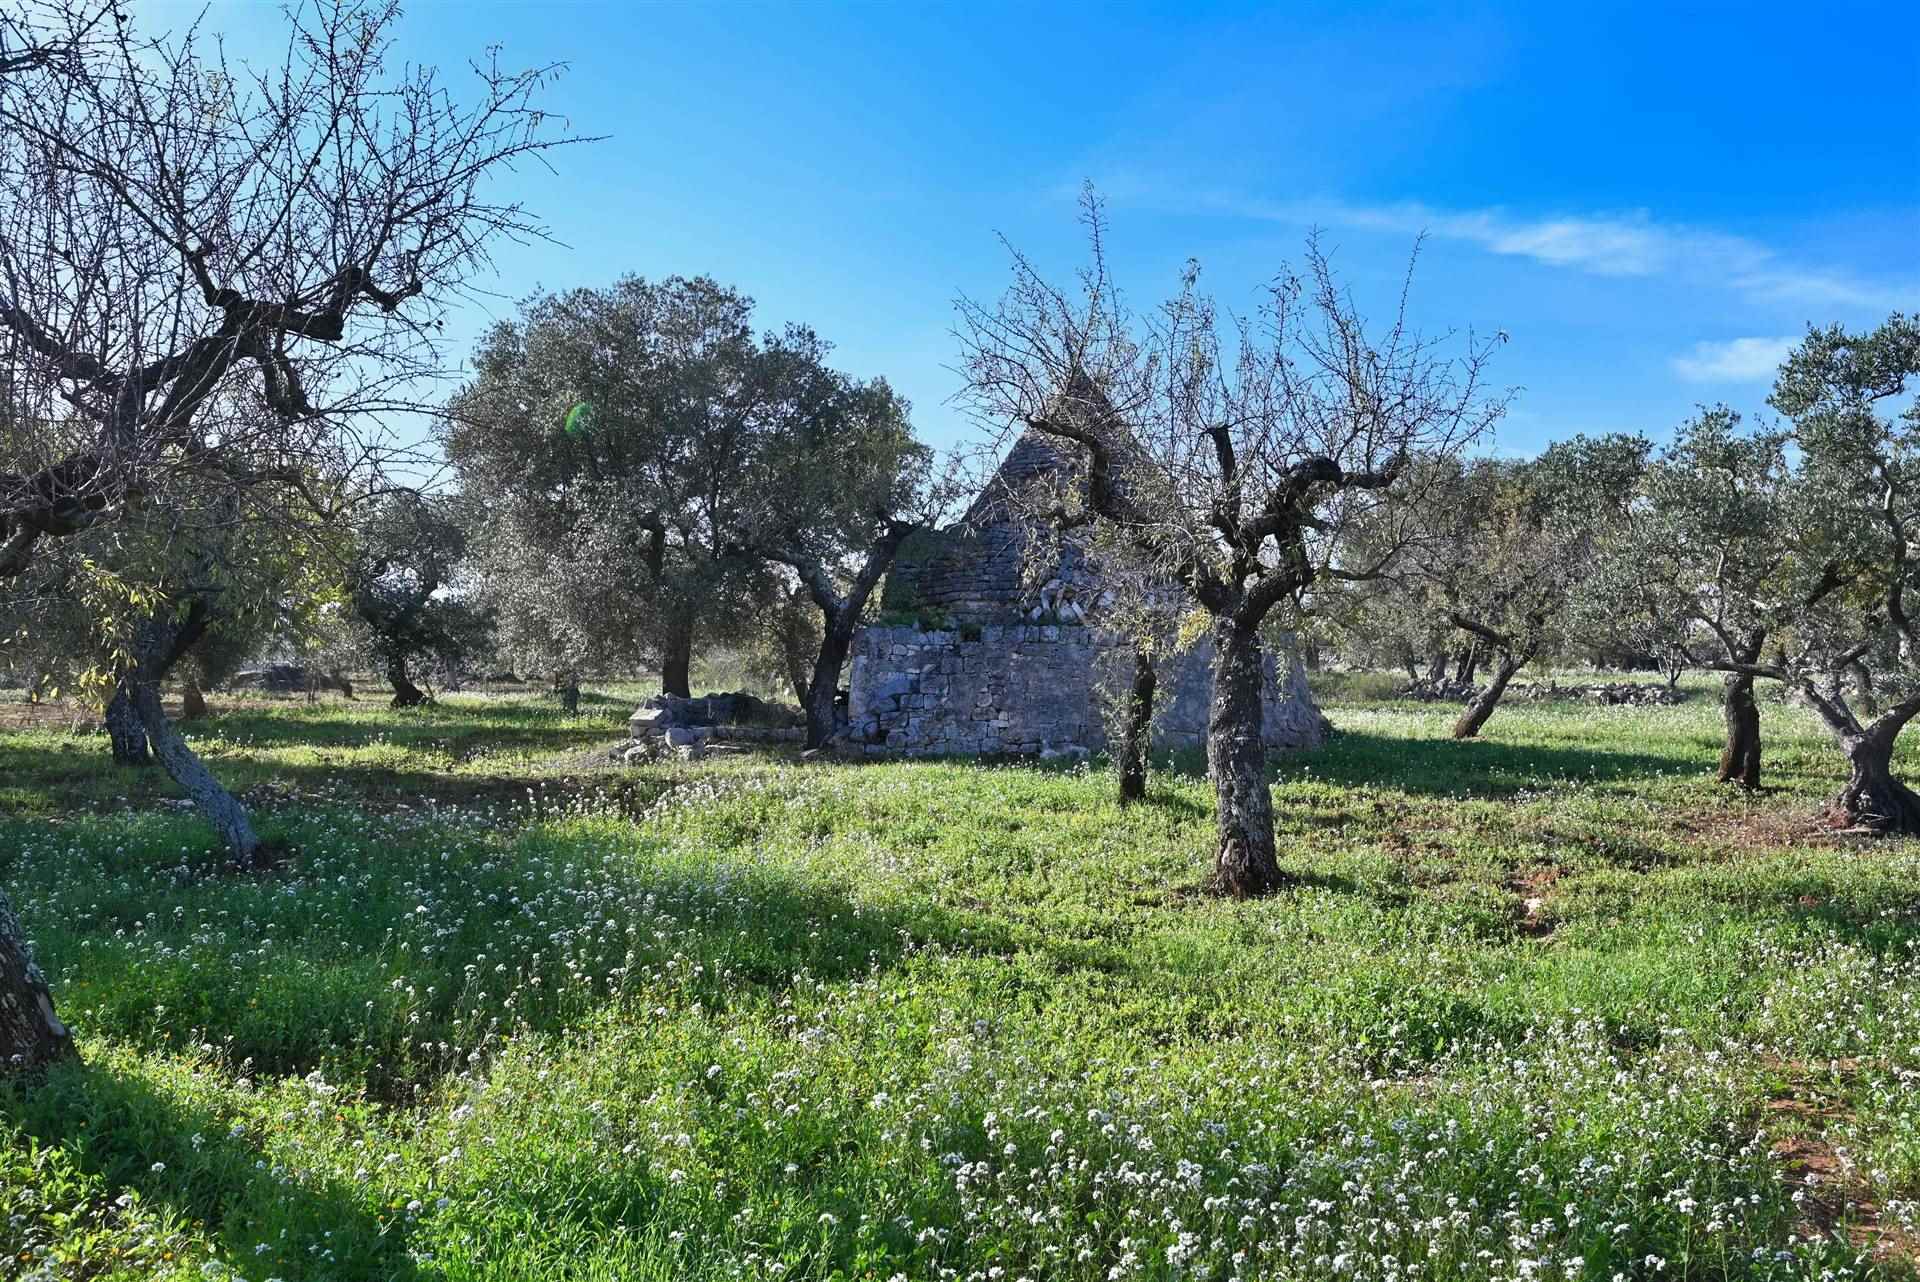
pixel 1447 767
pixel 1480 767
pixel 365 983
pixel 175 1153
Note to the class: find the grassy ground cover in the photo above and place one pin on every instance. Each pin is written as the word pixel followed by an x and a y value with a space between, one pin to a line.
pixel 1546 1005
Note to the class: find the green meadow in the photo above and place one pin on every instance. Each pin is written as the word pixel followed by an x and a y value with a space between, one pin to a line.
pixel 1549 1004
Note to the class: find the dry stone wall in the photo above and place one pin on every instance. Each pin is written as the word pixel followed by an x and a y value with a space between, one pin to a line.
pixel 1026 688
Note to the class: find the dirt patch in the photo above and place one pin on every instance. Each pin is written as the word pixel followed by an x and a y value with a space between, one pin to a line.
pixel 1832 1196
pixel 1746 830
pixel 1533 888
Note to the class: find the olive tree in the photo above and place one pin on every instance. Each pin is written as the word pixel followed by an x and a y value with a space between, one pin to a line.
pixel 1706 569
pixel 841 484
pixel 1849 652
pixel 1508 545
pixel 401 585
pixel 1228 453
pixel 611 431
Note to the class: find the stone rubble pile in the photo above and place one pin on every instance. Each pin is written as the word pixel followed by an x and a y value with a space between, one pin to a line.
pixel 668 725
pixel 1640 694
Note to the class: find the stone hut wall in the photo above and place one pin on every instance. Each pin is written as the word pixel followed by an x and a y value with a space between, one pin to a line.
pixel 1027 687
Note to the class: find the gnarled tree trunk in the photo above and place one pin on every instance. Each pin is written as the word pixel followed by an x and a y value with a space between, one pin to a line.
pixel 1873 799
pixel 31 1035
pixel 1740 759
pixel 1244 859
pixel 162 640
pixel 1487 700
pixel 1469 664
pixel 405 693
pixel 124 730
pixel 1136 738
pixel 193 701
pixel 823 688
pixel 676 660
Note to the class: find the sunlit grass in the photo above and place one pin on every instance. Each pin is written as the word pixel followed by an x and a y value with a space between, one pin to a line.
pixel 1529 1010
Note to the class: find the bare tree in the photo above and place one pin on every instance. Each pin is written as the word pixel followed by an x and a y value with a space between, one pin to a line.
pixel 213 270
pixel 216 267
pixel 210 269
pixel 1229 454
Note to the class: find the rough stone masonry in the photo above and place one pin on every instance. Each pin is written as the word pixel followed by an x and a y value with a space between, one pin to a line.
pixel 989 664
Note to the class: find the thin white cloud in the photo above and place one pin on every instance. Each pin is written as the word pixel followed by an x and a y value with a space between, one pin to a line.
pixel 1631 243
pixel 1737 360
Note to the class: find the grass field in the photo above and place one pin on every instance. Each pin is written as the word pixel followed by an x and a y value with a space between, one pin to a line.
pixel 1546 1005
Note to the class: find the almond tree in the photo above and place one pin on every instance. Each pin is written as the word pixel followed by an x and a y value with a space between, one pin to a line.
pixel 221 270
pixel 1228 453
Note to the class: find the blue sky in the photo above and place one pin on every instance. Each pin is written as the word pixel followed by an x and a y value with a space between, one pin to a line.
pixel 1652 201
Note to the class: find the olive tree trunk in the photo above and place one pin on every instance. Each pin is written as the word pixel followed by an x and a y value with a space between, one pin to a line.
pixel 823 688
pixel 1136 738
pixel 1873 799
pixel 162 640
pixel 214 803
pixel 124 730
pixel 1487 700
pixel 1740 759
pixel 1244 860
pixel 31 1035
pixel 193 700
pixel 405 693
pixel 1469 664
pixel 676 660
pixel 839 615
